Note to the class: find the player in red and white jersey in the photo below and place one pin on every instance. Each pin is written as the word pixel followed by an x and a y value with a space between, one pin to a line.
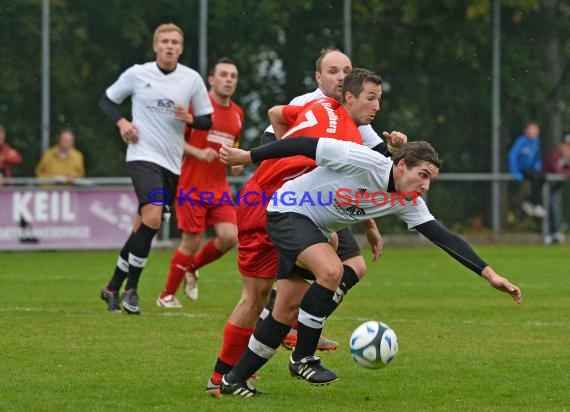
pixel 204 197
pixel 324 117
pixel 257 256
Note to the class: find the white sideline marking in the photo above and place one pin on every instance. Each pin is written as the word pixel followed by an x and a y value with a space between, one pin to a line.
pixel 90 312
pixel 535 323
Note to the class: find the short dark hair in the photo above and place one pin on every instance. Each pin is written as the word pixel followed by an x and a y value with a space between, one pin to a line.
pixel 354 81
pixel 415 153
pixel 222 60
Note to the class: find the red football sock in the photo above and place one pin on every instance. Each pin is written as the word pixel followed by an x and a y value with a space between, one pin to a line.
pixel 208 254
pixel 234 345
pixel 179 264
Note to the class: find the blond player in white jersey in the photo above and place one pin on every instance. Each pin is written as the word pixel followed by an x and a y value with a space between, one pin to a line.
pixel 161 92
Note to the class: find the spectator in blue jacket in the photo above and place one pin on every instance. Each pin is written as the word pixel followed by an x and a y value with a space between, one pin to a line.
pixel 525 163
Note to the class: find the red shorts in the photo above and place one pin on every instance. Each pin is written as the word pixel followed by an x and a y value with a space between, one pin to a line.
pixel 197 218
pixel 257 256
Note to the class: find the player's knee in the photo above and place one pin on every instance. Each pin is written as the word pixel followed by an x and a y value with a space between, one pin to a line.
pixel 255 297
pixel 152 221
pixel 228 241
pixel 252 304
pixel 358 265
pixel 329 275
pixel 190 243
pixel 284 316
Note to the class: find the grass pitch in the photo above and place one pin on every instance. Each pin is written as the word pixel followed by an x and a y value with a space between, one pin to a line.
pixel 463 345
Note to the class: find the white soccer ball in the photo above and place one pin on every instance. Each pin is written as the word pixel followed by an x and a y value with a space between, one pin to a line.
pixel 373 345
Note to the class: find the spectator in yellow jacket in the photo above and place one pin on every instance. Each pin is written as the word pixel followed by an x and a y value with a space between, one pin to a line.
pixel 62 160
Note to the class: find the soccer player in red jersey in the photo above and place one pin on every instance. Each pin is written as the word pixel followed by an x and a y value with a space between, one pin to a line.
pixel 203 197
pixel 257 256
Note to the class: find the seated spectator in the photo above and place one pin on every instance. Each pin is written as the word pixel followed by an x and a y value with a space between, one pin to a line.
pixel 525 163
pixel 62 160
pixel 9 157
pixel 556 161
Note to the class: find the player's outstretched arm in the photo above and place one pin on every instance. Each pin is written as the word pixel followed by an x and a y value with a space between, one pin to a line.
pixel 460 250
pixel 302 145
pixel 502 284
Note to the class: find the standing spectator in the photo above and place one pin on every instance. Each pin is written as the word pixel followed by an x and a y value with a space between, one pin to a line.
pixel 160 93
pixel 62 160
pixel 556 161
pixel 525 163
pixel 9 157
pixel 202 173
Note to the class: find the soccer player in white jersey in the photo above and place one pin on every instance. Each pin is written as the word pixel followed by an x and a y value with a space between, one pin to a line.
pixel 161 92
pixel 351 183
pixel 332 66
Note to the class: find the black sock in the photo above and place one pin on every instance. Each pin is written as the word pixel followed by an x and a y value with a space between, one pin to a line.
pixel 268 307
pixel 222 367
pixel 122 268
pixel 262 345
pixel 349 279
pixel 138 254
pixel 317 304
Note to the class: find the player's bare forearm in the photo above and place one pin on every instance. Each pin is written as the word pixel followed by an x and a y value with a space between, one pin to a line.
pixel 233 156
pixel 207 155
pixel 374 238
pixel 280 126
pixel 129 132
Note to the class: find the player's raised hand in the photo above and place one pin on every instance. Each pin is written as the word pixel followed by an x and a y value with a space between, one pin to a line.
pixel 395 138
pixel 233 156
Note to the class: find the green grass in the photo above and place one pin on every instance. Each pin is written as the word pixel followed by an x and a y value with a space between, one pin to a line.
pixel 463 346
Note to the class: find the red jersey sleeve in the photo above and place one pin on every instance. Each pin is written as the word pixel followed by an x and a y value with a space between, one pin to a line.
pixel 290 113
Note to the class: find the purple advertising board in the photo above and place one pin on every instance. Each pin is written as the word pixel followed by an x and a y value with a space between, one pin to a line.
pixel 40 219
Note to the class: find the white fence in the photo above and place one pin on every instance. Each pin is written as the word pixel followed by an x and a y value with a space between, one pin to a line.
pixel 106 205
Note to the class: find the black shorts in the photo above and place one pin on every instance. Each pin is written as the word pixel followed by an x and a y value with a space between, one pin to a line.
pixel 347 248
pixel 347 244
pixel 295 233
pixel 153 183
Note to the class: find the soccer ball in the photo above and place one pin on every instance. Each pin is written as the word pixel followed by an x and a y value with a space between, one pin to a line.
pixel 373 345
